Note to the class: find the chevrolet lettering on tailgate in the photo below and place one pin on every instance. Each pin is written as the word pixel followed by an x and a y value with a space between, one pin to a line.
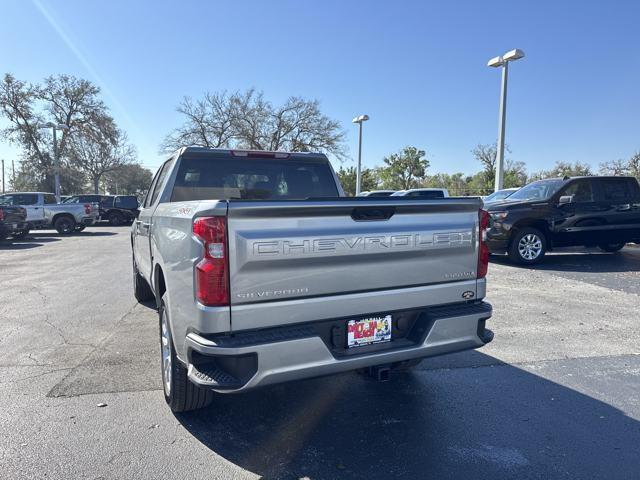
pixel 363 244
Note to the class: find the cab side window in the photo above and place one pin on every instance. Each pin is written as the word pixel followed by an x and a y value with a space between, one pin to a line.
pixel 580 190
pixel 156 184
pixel 615 189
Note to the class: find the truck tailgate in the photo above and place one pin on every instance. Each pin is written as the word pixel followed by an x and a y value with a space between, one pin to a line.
pixel 281 251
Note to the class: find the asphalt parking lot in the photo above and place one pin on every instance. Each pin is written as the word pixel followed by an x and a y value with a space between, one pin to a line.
pixel 556 395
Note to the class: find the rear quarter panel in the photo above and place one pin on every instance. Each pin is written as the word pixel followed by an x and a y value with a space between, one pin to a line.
pixel 175 251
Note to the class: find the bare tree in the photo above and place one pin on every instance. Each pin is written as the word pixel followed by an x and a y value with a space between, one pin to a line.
pixel 61 99
pixel 614 167
pixel 97 153
pixel 634 165
pixel 247 120
pixel 210 122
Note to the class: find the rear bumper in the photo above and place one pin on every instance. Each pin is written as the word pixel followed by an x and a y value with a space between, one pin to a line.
pixel 243 362
pixel 10 228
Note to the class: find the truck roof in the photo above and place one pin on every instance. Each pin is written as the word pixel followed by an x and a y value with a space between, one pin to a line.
pixel 280 155
pixel 30 193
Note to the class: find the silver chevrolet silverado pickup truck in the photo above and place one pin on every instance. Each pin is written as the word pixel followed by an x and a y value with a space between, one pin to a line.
pixel 264 272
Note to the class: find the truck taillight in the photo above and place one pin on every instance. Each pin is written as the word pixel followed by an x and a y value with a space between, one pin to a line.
pixel 483 250
pixel 211 273
pixel 87 208
pixel 1 214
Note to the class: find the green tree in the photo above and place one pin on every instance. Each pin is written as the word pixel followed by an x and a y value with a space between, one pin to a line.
pixel 369 179
pixel 456 183
pixel 131 179
pixel 405 169
pixel 515 174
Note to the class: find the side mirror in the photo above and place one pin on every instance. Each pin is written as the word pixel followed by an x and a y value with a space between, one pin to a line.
pixel 563 200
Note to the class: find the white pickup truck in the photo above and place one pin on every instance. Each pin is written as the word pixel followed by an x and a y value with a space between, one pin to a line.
pixel 44 212
pixel 263 272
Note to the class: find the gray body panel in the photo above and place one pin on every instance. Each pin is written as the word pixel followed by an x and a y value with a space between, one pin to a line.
pixel 295 262
pixel 279 251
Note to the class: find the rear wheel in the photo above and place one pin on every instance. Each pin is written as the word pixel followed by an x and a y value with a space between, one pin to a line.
pixel 180 394
pixel 528 246
pixel 64 224
pixel 116 219
pixel 141 289
pixel 612 247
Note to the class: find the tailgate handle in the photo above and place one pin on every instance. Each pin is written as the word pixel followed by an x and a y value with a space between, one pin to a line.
pixel 367 214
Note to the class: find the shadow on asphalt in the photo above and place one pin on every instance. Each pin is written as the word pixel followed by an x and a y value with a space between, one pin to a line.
pixel 592 261
pixel 85 233
pixel 25 243
pixel 38 238
pixel 496 421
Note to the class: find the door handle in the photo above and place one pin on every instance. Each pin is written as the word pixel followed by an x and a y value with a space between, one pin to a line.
pixel 624 207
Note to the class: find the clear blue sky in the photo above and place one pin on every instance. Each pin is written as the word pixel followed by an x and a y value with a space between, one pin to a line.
pixel 418 69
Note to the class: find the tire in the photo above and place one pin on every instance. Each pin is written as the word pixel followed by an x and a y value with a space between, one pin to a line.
pixel 65 224
pixel 528 246
pixel 115 219
pixel 180 394
pixel 21 235
pixel 80 228
pixel 141 289
pixel 611 247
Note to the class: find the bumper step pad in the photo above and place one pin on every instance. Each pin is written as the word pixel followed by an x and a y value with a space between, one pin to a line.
pixel 212 376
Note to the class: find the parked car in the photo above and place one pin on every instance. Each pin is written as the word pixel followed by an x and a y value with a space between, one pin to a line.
pixel 120 209
pixel 426 193
pixel 262 273
pixel 44 212
pixel 499 195
pixel 562 212
pixel 13 221
pixel 116 209
pixel 377 193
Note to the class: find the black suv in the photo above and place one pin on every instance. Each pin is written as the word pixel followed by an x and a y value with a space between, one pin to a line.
pixel 117 209
pixel 563 212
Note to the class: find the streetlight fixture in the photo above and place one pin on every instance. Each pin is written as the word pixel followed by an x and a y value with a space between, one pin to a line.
pixel 56 160
pixel 359 120
pixel 503 61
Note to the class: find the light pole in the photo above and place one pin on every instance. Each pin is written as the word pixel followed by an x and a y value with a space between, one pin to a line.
pixel 503 61
pixel 359 120
pixel 56 160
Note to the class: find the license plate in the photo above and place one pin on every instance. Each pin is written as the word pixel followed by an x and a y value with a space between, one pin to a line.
pixel 368 330
pixel 14 226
